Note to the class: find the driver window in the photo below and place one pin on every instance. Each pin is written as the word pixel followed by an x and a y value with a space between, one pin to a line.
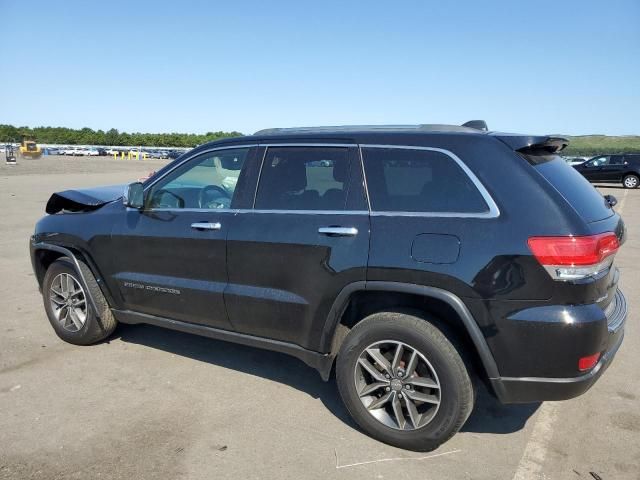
pixel 205 182
pixel 598 162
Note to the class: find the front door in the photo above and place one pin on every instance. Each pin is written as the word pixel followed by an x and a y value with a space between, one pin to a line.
pixel 306 238
pixel 592 170
pixel 171 259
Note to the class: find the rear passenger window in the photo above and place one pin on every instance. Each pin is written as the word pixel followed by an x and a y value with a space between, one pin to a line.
pixel 406 180
pixel 303 178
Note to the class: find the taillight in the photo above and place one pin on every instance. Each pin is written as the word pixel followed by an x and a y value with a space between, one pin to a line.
pixel 587 363
pixel 573 258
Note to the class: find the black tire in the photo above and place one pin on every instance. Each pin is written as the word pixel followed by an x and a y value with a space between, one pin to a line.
pixel 631 181
pixel 421 333
pixel 98 325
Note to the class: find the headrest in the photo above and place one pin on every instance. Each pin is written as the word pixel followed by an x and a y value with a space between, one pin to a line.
pixel 340 170
pixel 290 173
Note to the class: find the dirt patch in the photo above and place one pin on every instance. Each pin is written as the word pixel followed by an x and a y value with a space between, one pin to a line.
pixel 626 421
pixel 151 448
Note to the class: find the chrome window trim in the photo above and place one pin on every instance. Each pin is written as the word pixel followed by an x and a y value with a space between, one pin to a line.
pixel 493 212
pixel 364 178
pixel 256 187
pixel 306 212
pixel 306 144
pixel 203 210
pixel 251 210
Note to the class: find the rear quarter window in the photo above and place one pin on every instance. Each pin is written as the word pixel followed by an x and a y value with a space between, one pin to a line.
pixel 408 180
pixel 576 189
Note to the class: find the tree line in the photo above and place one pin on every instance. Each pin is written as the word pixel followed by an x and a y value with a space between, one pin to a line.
pixel 590 145
pixel 580 145
pixel 87 136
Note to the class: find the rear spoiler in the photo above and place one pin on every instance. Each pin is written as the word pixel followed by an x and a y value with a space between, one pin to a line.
pixel 532 144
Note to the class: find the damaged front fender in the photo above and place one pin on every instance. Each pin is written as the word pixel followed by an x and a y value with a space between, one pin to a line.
pixel 83 200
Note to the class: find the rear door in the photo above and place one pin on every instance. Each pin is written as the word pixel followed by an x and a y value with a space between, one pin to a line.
pixel 612 170
pixel 427 213
pixel 306 238
pixel 171 255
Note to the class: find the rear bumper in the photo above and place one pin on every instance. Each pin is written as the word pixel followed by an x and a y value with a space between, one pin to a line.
pixel 537 389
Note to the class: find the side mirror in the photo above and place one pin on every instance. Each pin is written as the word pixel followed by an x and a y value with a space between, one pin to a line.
pixel 134 195
pixel 611 200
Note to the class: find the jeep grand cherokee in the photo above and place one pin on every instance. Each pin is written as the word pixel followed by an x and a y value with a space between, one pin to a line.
pixel 412 258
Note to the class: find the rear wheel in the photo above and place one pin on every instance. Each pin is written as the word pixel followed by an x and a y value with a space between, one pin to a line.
pixel 631 181
pixel 403 381
pixel 69 306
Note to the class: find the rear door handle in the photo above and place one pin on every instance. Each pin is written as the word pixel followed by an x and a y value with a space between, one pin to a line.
pixel 206 226
pixel 338 231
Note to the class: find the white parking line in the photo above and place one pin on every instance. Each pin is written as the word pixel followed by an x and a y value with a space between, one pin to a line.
pixel 532 461
pixel 392 459
pixel 621 204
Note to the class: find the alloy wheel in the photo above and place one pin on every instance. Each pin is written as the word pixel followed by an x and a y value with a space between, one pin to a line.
pixel 631 182
pixel 68 302
pixel 397 385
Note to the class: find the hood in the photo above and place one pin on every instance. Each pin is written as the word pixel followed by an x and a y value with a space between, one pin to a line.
pixel 83 200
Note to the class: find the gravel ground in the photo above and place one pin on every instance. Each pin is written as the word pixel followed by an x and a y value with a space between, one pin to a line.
pixel 152 403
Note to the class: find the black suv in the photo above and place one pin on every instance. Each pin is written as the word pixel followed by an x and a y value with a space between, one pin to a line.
pixel 623 169
pixel 414 258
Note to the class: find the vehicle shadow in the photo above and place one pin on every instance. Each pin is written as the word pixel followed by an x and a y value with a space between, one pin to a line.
pixel 488 416
pixel 491 416
pixel 261 363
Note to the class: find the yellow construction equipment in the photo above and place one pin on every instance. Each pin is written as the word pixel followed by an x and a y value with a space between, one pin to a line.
pixel 29 148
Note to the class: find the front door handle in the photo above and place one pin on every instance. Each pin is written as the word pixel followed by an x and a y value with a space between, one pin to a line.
pixel 206 226
pixel 338 231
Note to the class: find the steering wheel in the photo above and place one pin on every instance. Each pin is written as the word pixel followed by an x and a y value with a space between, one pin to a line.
pixel 213 196
pixel 166 199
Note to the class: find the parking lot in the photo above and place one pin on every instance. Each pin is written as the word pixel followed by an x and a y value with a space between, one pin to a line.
pixel 152 403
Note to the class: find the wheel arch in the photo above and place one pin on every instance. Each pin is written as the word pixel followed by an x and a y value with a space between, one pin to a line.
pixel 345 313
pixel 634 173
pixel 44 254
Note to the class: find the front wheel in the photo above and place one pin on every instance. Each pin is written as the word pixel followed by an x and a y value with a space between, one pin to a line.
pixel 631 181
pixel 71 311
pixel 403 381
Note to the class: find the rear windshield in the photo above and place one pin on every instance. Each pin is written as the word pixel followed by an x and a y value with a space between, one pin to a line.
pixel 582 196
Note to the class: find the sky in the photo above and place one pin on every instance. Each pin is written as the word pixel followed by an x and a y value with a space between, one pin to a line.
pixel 530 66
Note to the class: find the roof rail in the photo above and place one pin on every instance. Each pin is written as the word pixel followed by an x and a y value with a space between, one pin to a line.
pixel 360 128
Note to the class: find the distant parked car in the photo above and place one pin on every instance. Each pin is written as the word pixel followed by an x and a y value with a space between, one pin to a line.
pixel 92 152
pixel 113 151
pixel 102 152
pixel 623 168
pixel 72 151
